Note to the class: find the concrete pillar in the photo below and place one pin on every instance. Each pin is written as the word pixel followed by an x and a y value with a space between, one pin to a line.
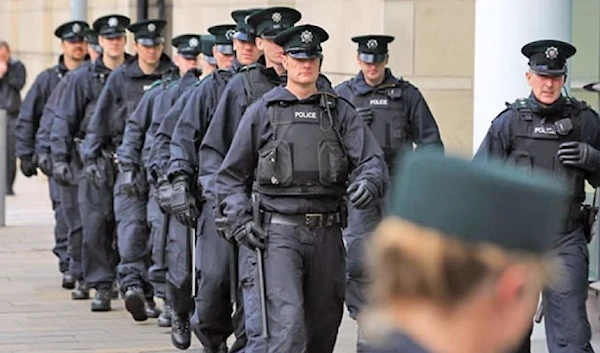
pixel 501 29
pixel 79 10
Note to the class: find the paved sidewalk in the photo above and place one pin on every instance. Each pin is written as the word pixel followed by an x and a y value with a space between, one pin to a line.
pixel 37 315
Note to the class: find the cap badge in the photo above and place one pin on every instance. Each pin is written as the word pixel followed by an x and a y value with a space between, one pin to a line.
pixel 246 19
pixel 372 44
pixel 229 34
pixel 76 28
pixel 113 22
pixel 306 37
pixel 276 17
pixel 151 27
pixel 193 42
pixel 551 53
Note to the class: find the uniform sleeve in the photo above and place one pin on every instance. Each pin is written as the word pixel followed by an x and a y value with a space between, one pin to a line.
pixel 496 144
pixel 160 153
pixel 29 117
pixel 220 133
pixel 590 130
pixel 425 132
pixel 98 131
pixel 343 89
pixel 69 115
pixel 188 133
pixel 42 139
pixel 129 152
pixel 363 151
pixel 233 180
pixel 16 76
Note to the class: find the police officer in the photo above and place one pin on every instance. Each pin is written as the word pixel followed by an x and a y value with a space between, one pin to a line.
pixel 208 63
pixel 134 150
pixel 441 276
pixel 551 132
pixel 12 80
pixel 302 143
pixel 123 90
pixel 28 122
pixel 213 308
pixel 399 117
pixel 68 130
pixel 94 48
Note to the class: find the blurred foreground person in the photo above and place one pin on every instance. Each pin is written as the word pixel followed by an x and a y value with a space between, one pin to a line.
pixel 465 268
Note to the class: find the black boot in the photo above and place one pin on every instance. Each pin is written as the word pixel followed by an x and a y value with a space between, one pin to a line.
pixel 180 331
pixel 81 291
pixel 101 300
pixel 151 310
pixel 164 319
pixel 135 303
pixel 68 282
pixel 114 294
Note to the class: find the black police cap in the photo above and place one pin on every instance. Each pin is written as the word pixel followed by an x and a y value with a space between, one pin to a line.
pixel 302 42
pixel 207 43
pixel 148 32
pixel 188 45
pixel 91 37
pixel 244 31
pixel 111 26
pixel 223 38
pixel 269 22
pixel 72 31
pixel 548 57
pixel 373 48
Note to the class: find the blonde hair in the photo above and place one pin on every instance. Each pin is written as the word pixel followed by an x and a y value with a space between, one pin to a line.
pixel 407 261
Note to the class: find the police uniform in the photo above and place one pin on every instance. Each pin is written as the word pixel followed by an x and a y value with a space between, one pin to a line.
pixel 563 139
pixel 208 43
pixel 28 124
pixel 471 188
pixel 11 85
pixel 399 117
pixel 91 37
pixel 95 200
pixel 296 155
pixel 119 98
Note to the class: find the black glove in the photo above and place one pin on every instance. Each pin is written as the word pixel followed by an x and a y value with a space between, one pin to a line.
pixel 183 202
pixel 250 235
pixel 29 166
pixel 93 175
pixel 580 155
pixel 45 163
pixel 62 173
pixel 361 193
pixel 163 194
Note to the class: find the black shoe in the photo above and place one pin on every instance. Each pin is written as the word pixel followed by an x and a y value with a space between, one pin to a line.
pixel 114 294
pixel 135 303
pixel 68 282
pixel 81 291
pixel 180 331
pixel 164 319
pixel 10 192
pixel 101 301
pixel 151 310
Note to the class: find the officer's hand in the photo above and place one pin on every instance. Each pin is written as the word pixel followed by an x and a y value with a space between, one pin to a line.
pixel 163 194
pixel 361 193
pixel 92 173
pixel 580 155
pixel 183 203
pixel 250 235
pixel 62 173
pixel 28 166
pixel 45 163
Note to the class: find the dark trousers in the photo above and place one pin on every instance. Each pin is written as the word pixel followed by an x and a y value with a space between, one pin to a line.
pixel 11 156
pixel 69 199
pixel 305 280
pixel 61 229
pixel 157 271
pixel 99 256
pixel 565 316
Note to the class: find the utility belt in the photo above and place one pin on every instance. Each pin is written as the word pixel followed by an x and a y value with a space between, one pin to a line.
pixel 310 220
pixel 581 215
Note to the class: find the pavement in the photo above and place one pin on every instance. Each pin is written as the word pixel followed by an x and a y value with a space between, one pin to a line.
pixel 37 315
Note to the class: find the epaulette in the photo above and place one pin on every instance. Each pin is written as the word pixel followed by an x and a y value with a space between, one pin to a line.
pixel 153 85
pixel 170 83
pixel 520 104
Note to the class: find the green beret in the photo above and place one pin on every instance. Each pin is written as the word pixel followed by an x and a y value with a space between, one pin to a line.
pixel 477 202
